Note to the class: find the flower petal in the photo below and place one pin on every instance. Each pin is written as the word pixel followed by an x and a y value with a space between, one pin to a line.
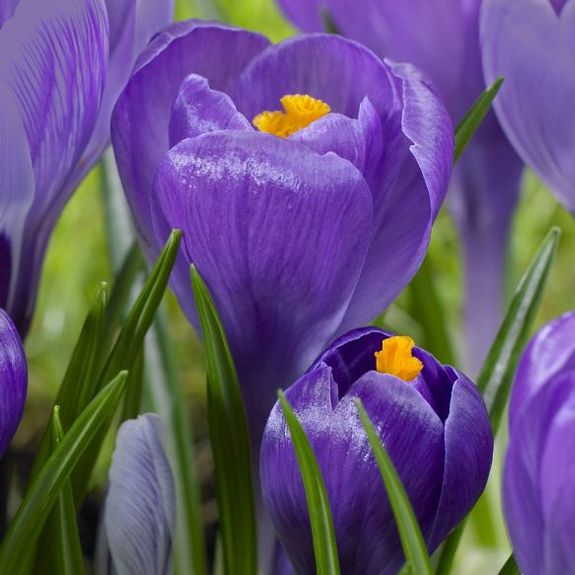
pixel 306 14
pixel 139 513
pixel 250 206
pixel 198 109
pixel 140 125
pixel 526 42
pixel 13 380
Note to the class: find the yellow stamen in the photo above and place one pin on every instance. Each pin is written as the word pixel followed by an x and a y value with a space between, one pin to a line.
pixel 396 359
pixel 300 110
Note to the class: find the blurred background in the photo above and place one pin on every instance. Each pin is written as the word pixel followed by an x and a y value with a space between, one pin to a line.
pixel 79 259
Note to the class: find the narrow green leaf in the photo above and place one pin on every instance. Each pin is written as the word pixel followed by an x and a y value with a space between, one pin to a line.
pixel 230 441
pixel 322 530
pixel 472 120
pixel 169 401
pixel 133 395
pixel 45 489
pixel 510 567
pixel 448 550
pixel 497 373
pixel 427 309
pixel 409 532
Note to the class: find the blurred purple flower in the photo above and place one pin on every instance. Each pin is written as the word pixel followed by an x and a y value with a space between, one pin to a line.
pixel 539 469
pixel 430 418
pixel 137 528
pixel 13 380
pixel 532 43
pixel 62 65
pixel 298 237
pixel 441 38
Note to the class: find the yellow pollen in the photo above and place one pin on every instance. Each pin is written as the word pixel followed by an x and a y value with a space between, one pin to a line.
pixel 300 110
pixel 396 359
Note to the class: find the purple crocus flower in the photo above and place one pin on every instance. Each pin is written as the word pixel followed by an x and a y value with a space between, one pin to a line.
pixel 539 469
pixel 532 43
pixel 13 380
pixel 300 232
pixel 430 418
pixel 138 523
pixel 62 65
pixel 441 37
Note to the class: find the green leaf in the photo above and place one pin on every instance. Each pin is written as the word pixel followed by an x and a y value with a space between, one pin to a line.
pixel 230 441
pixel 472 120
pixel 45 489
pixel 322 530
pixel 169 401
pixel 494 381
pixel 510 567
pixel 409 532
pixel 134 387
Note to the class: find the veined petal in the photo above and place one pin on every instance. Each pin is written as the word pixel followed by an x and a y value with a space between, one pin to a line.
pixel 13 380
pixel 139 513
pixel 199 109
pixel 529 44
pixel 251 206
pixel 140 125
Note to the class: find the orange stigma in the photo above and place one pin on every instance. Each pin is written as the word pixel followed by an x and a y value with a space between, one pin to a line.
pixel 300 110
pixel 396 358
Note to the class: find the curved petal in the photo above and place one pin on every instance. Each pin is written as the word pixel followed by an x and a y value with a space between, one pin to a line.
pixel 198 109
pixel 250 206
pixel 305 14
pixel 140 125
pixel 526 42
pixel 468 455
pixel 140 513
pixel 13 380
pixel 403 224
pixel 336 70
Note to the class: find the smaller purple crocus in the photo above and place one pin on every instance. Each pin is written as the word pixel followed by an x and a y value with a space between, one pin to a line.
pixel 539 472
pixel 137 528
pixel 430 418
pixel 532 44
pixel 13 380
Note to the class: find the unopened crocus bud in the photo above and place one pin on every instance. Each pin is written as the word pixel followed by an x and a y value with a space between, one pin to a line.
pixel 430 418
pixel 539 470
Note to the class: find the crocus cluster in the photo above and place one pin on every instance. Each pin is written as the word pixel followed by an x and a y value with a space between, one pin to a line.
pixel 539 470
pixel 305 176
pixel 430 418
pixel 62 66
pixel 441 38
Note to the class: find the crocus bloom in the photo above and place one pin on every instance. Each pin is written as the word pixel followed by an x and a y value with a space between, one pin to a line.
pixel 62 65
pixel 13 380
pixel 539 469
pixel 532 43
pixel 441 37
pixel 137 528
pixel 429 416
pixel 307 222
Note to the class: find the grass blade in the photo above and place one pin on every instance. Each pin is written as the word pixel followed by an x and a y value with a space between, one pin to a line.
pixel 510 567
pixel 45 489
pixel 323 532
pixel 472 120
pixel 230 440
pixel 409 532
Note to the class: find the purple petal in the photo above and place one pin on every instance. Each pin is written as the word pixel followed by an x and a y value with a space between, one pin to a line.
pixel 5 269
pixel 140 125
pixel 250 206
pixel 13 380
pixel 527 43
pixel 468 454
pixel 198 109
pixel 7 8
pixel 140 513
pixel 305 14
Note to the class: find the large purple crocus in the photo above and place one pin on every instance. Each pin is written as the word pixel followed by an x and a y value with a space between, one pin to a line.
pixel 532 43
pixel 539 472
pixel 300 232
pixel 441 37
pixel 13 380
pixel 430 418
pixel 62 65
